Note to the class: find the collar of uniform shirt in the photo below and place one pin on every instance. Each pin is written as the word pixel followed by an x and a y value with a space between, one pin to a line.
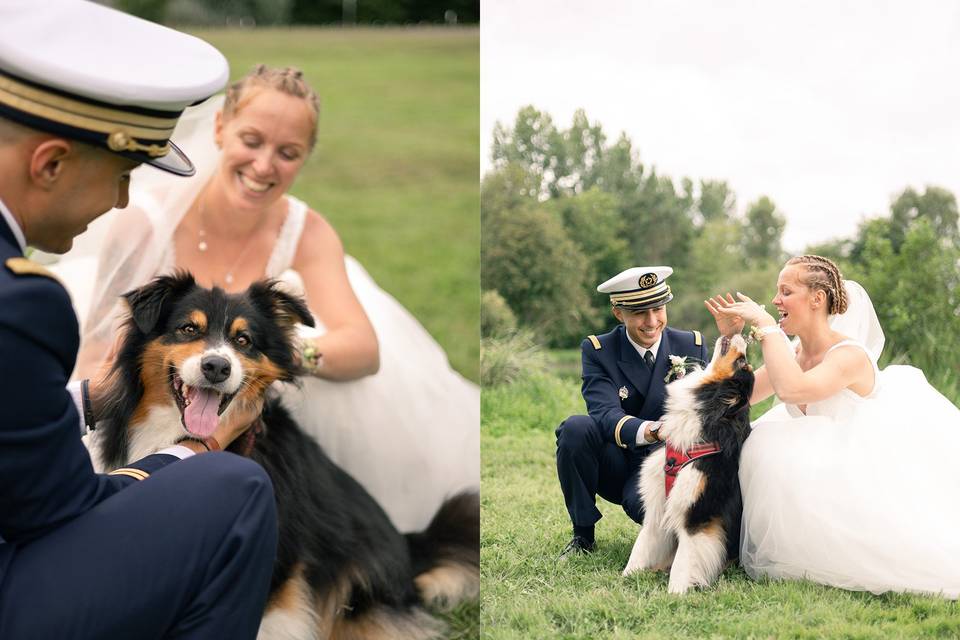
pixel 12 223
pixel 643 350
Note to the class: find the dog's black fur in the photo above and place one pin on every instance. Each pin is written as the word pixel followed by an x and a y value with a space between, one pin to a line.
pixel 333 536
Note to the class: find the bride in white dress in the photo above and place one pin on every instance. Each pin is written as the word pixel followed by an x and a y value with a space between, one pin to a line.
pixel 851 481
pixel 410 432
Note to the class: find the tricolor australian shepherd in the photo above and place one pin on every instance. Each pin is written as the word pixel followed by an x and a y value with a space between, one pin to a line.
pixel 690 489
pixel 189 355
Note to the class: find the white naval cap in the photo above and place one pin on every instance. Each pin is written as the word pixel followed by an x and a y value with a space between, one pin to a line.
pixel 639 288
pixel 87 72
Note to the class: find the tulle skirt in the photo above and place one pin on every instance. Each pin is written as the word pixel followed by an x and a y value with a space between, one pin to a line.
pixel 866 499
pixel 410 434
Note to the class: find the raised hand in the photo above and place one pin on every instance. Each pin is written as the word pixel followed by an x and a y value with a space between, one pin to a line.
pixel 727 324
pixel 744 311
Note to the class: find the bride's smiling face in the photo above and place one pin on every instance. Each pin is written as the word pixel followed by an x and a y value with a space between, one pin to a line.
pixel 265 143
pixel 794 299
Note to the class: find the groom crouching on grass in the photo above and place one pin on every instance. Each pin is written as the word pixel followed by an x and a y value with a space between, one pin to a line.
pixel 624 386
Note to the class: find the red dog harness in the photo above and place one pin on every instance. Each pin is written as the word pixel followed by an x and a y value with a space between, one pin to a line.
pixel 677 459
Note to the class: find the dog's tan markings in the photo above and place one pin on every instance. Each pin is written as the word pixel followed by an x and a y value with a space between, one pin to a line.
pixel 239 325
pixel 712 528
pixel 722 368
pixel 701 487
pixel 199 318
pixel 290 612
pixel 288 595
pixel 155 362
pixel 383 623
pixel 259 374
pixel 448 583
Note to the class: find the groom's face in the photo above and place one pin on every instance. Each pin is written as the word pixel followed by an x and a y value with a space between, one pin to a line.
pixel 644 327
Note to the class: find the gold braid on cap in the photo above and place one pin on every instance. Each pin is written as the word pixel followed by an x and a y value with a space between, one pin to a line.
pixel 121 141
pixel 641 296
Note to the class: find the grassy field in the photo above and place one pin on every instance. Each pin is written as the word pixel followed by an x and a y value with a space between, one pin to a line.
pixel 397 161
pixel 527 594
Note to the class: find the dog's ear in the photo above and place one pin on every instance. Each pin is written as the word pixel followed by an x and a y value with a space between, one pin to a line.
pixel 287 307
pixel 147 302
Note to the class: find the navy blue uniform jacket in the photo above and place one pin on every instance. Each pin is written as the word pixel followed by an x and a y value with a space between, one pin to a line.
pixel 46 477
pixel 612 369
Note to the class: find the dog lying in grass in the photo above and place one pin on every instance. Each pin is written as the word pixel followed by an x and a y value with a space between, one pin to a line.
pixel 186 357
pixel 690 488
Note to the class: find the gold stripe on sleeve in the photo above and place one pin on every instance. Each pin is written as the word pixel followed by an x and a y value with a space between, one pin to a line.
pixel 616 432
pixel 596 343
pixel 136 474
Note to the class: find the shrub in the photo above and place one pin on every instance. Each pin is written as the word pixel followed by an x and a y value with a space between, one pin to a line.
pixel 496 317
pixel 506 359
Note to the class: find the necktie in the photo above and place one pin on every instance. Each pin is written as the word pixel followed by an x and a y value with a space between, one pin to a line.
pixel 648 358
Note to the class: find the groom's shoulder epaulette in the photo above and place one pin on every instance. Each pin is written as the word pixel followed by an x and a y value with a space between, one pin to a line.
pixel 595 342
pixel 688 339
pixel 20 266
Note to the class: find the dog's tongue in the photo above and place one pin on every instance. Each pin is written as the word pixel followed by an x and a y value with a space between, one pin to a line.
pixel 200 416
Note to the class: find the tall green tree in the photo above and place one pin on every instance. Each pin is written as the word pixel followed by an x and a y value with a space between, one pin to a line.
pixel 762 231
pixel 916 292
pixel 716 201
pixel 593 221
pixel 530 260
pixel 936 205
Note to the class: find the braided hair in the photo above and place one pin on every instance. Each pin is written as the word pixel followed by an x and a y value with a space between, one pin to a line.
pixel 824 275
pixel 288 80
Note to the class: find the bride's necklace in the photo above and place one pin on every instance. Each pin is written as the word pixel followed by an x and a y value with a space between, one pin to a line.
pixel 202 245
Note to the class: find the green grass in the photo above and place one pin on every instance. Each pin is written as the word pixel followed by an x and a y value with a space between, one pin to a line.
pixel 527 594
pixel 397 160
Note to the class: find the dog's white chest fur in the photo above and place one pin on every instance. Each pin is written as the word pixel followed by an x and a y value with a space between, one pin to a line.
pixel 160 428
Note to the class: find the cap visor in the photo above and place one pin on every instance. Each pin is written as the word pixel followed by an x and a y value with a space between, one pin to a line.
pixel 175 162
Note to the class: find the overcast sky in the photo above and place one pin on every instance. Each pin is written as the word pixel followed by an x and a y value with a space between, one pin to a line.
pixel 828 107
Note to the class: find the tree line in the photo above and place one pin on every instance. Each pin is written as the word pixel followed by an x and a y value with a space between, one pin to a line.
pixel 302 12
pixel 563 209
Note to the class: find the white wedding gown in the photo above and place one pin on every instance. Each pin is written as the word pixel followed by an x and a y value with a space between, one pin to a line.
pixel 861 493
pixel 410 434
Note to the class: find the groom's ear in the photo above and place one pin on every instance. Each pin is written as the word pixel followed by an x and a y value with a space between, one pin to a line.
pixel 617 313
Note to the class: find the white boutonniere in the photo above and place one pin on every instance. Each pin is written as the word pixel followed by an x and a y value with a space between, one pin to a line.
pixel 678 368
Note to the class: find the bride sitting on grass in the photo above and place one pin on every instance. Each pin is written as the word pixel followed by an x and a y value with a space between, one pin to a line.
pixel 850 481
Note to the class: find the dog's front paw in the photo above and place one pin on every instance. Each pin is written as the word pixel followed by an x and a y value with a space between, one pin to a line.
pixel 633 566
pixel 677 587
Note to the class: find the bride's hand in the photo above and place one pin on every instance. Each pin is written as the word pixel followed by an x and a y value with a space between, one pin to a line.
pixel 727 324
pixel 747 311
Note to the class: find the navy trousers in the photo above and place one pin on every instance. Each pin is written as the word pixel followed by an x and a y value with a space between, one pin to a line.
pixel 186 553
pixel 589 466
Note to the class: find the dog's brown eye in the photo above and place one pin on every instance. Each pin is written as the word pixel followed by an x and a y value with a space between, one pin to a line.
pixel 242 340
pixel 188 329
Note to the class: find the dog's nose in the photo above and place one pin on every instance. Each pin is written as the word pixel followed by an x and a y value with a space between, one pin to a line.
pixel 215 368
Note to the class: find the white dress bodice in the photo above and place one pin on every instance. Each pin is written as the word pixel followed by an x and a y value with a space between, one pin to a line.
pixel 284 249
pixel 843 404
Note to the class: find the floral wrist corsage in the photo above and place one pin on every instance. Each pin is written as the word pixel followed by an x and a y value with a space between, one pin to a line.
pixel 311 357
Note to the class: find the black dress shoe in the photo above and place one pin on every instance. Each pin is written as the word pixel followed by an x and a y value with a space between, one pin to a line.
pixel 578 545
